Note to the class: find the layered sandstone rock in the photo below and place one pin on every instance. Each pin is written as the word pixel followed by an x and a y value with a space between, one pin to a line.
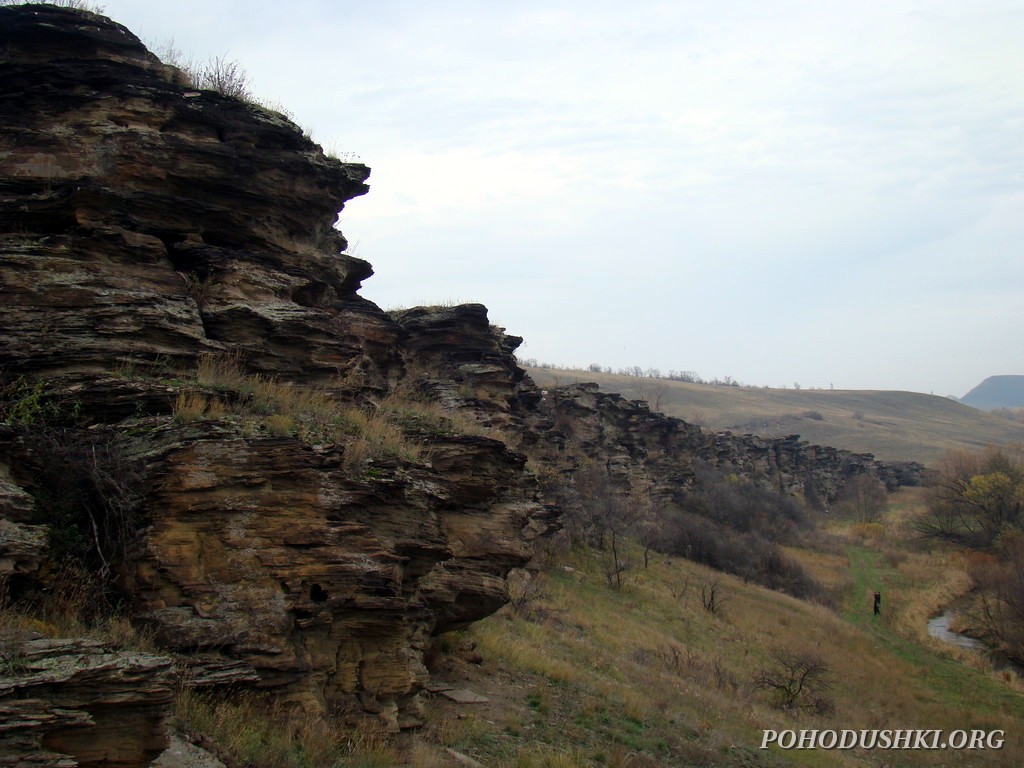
pixel 144 223
pixel 152 222
pixel 70 703
pixel 22 545
pixel 646 449
pixel 327 585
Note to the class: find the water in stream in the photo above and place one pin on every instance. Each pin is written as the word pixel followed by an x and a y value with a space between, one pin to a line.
pixel 939 627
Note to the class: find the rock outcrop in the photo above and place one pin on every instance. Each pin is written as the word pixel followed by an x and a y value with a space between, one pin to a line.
pixel 145 224
pixel 647 449
pixel 152 222
pixel 327 584
pixel 78 702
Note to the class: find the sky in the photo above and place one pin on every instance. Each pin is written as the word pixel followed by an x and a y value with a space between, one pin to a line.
pixel 825 193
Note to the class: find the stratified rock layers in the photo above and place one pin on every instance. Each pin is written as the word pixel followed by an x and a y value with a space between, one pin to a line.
pixel 328 585
pixel 78 702
pixel 151 221
pixel 144 223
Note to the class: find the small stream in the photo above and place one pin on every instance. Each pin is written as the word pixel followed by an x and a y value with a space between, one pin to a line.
pixel 939 627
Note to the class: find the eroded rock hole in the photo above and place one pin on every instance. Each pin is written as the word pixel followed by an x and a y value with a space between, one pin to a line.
pixel 317 594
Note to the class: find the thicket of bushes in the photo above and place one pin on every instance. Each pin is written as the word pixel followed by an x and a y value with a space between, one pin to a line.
pixel 736 526
pixel 977 504
pixel 723 521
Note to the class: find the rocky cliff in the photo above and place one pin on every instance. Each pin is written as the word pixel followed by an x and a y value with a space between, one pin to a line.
pixel 279 477
pixel 647 449
pixel 145 225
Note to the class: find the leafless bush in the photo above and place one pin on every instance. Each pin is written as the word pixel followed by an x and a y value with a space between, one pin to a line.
pixel 863 498
pixel 735 525
pixel 601 515
pixel 198 288
pixel 220 74
pixel 87 493
pixel 679 591
pixel 723 677
pixel 225 76
pixel 1000 582
pixel 796 680
pixel 712 596
pixel 671 658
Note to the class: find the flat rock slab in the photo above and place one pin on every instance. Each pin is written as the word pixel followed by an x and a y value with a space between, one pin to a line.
pixel 463 696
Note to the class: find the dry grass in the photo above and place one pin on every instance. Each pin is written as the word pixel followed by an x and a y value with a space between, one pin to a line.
pixel 73 603
pixel 312 414
pixel 248 729
pixel 222 371
pixel 391 427
pixel 192 406
pixel 649 671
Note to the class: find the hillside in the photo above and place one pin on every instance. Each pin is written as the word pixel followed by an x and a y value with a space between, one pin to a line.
pixel 895 426
pixel 996 392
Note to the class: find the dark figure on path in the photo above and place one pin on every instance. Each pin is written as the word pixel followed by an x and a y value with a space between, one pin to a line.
pixel 878 603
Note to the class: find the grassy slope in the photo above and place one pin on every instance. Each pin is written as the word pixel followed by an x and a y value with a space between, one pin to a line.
pixel 897 426
pixel 590 676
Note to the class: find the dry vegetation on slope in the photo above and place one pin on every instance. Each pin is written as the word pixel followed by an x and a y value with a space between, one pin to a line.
pixel 584 675
pixel 896 426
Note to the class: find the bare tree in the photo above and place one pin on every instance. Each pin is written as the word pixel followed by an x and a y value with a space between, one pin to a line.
pixel 797 680
pixel 1001 586
pixel 712 596
pixel 604 515
pixel 863 498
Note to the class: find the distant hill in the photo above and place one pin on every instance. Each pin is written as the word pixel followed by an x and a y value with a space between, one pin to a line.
pixel 997 392
pixel 896 426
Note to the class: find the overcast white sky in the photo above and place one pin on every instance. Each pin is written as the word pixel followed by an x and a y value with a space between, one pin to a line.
pixel 829 193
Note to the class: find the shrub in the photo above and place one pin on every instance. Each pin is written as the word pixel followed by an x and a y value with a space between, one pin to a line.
pixel 1000 581
pixel 24 403
pixel 87 492
pixel 712 596
pixel 744 554
pixel 524 590
pixel 976 499
pixel 863 498
pixel 796 680
pixel 224 76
